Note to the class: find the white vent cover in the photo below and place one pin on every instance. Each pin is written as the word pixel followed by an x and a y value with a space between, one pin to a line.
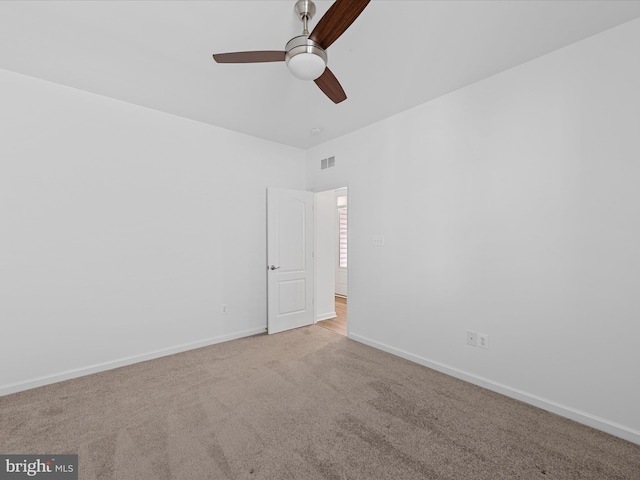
pixel 327 163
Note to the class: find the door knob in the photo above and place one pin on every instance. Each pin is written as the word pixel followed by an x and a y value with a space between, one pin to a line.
pixel 273 267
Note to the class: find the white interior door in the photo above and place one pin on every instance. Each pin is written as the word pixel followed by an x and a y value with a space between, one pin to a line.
pixel 290 259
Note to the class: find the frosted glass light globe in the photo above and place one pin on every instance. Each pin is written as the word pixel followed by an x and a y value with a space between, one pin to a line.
pixel 306 66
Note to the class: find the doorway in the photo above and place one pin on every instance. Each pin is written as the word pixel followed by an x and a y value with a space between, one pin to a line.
pixel 332 259
pixel 337 324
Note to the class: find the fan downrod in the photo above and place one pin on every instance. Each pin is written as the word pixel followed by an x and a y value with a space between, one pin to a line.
pixel 305 9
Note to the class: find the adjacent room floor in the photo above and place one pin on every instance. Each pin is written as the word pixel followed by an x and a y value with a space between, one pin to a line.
pixel 339 323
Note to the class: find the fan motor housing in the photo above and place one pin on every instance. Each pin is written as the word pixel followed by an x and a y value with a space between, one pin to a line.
pixel 311 57
pixel 302 44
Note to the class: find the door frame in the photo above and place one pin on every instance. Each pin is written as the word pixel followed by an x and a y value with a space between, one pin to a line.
pixel 323 189
pixel 337 268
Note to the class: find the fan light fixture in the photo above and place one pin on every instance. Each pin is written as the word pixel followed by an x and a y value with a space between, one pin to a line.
pixel 305 58
pixel 306 54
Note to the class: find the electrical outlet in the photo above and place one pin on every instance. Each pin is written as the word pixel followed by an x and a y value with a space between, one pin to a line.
pixel 225 308
pixel 472 338
pixel 483 340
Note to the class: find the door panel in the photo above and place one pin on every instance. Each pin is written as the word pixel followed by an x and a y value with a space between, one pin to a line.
pixel 290 259
pixel 291 296
pixel 290 235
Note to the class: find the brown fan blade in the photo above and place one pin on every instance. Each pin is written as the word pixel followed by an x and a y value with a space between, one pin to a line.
pixel 331 87
pixel 250 57
pixel 337 19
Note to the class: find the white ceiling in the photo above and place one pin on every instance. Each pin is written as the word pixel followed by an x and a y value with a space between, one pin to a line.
pixel 398 54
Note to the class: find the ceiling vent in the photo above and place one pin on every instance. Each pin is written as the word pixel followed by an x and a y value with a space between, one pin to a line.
pixel 327 163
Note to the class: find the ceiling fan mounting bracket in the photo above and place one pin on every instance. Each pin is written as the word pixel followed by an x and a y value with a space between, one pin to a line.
pixel 305 9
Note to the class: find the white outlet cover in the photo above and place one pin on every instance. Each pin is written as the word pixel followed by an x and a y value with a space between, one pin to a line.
pixel 483 340
pixel 378 240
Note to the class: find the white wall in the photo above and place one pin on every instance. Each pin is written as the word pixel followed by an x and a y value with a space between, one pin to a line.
pixel 325 249
pixel 123 230
pixel 510 207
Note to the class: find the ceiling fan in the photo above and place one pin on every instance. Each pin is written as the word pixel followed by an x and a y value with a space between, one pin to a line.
pixel 306 54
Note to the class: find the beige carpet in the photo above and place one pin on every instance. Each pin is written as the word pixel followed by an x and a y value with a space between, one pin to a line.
pixel 304 404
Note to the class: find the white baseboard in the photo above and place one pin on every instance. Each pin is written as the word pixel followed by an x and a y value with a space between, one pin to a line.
pixel 101 367
pixel 325 316
pixel 593 421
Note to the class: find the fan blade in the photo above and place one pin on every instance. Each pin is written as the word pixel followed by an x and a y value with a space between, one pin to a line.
pixel 331 87
pixel 337 19
pixel 250 57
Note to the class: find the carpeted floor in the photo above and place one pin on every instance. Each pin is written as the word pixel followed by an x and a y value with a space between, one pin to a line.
pixel 303 404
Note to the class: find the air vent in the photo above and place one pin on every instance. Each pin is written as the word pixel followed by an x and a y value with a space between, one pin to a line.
pixel 327 163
